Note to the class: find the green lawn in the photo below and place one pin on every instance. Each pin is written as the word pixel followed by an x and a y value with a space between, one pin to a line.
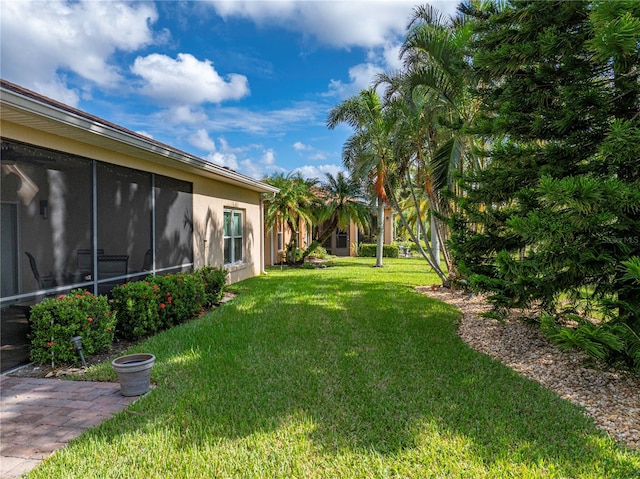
pixel 343 372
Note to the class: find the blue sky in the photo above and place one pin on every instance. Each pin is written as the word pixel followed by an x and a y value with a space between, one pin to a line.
pixel 246 85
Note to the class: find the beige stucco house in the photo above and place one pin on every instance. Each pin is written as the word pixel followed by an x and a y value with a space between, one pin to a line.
pixel 87 203
pixel 341 242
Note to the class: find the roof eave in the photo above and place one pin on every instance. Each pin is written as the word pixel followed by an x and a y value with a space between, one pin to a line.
pixel 139 142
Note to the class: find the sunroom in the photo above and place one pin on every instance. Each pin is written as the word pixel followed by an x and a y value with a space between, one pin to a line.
pixel 87 203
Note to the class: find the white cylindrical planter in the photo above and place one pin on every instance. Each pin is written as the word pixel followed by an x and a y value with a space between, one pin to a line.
pixel 134 373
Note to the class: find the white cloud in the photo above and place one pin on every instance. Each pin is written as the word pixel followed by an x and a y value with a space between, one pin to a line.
pixel 237 159
pixel 309 152
pixel 341 24
pixel 145 133
pixel 228 160
pixel 200 139
pixel 269 157
pixel 265 165
pixel 335 23
pixel 187 80
pixel 183 115
pixel 318 172
pixel 318 156
pixel 363 75
pixel 270 122
pixel 42 39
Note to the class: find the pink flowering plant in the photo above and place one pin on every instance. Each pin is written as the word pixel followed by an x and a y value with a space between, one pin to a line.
pixel 54 321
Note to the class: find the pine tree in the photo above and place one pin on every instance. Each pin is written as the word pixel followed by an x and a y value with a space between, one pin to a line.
pixel 555 213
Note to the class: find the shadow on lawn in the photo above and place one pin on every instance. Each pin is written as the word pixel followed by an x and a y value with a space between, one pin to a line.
pixel 379 369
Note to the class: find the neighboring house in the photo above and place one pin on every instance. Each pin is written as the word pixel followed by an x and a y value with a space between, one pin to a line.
pixel 277 239
pixel 341 243
pixel 80 196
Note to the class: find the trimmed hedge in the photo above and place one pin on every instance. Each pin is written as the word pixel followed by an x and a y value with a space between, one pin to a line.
pixel 54 321
pixel 157 303
pixel 138 309
pixel 368 250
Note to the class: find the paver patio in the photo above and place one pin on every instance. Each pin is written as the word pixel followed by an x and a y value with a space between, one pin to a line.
pixel 39 416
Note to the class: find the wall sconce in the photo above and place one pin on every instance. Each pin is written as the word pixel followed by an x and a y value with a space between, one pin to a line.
pixel 44 209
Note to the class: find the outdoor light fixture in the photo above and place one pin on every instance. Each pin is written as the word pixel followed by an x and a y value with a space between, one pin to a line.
pixel 44 209
pixel 77 343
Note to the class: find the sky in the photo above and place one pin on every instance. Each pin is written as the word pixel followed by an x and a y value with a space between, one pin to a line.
pixel 243 84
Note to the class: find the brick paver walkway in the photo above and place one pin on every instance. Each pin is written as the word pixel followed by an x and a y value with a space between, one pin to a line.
pixel 38 416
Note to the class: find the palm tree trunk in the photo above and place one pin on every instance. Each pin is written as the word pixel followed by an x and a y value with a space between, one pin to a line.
pixel 426 255
pixel 435 241
pixel 326 234
pixel 380 244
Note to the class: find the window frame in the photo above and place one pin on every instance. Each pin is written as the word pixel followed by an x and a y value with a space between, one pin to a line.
pixel 233 236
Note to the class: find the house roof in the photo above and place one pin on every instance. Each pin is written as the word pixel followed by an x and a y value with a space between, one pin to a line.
pixel 28 108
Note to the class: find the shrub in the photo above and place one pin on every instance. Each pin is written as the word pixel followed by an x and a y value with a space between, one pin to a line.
pixel 320 252
pixel 136 305
pixel 54 321
pixel 158 302
pixel 214 281
pixel 180 297
pixel 368 250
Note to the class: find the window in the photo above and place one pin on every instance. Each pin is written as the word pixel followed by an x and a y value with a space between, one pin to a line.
pixel 233 236
pixel 342 238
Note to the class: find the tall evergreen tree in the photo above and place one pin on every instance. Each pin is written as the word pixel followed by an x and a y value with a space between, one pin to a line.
pixel 555 213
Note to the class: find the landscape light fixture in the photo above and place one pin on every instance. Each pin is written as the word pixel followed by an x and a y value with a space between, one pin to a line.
pixel 77 343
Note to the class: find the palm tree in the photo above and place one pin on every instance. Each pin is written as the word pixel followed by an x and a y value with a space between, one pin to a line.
pixel 367 153
pixel 433 93
pixel 294 204
pixel 343 204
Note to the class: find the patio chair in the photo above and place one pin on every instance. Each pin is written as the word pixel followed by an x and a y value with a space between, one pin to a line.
pixel 147 264
pixel 44 282
pixel 111 266
pixel 85 260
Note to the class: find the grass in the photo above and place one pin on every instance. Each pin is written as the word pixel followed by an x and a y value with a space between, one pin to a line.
pixel 343 372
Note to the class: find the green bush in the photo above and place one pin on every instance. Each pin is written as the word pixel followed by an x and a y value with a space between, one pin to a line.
pixel 320 252
pixel 368 250
pixel 136 306
pixel 158 302
pixel 214 281
pixel 54 321
pixel 180 297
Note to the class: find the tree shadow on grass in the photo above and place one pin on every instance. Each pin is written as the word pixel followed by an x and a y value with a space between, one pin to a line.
pixel 376 369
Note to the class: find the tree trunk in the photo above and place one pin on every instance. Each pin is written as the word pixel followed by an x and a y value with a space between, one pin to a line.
pixel 380 245
pixel 326 234
pixel 435 241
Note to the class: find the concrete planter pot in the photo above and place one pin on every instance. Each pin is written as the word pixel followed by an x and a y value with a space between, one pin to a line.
pixel 134 373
